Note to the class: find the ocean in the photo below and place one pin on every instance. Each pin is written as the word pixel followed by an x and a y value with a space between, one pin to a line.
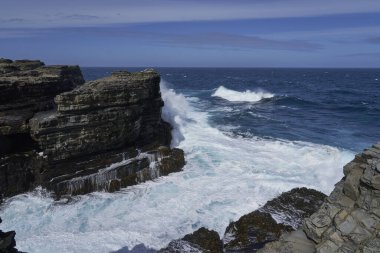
pixel 248 135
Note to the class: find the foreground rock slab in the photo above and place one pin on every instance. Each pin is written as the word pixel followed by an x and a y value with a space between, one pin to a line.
pixel 349 219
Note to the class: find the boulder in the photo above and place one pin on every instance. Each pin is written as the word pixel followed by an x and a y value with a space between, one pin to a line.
pixel 282 214
pixel 8 242
pixel 202 240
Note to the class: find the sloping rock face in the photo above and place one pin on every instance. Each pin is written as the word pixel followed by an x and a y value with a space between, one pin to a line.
pixel 101 135
pixel 26 87
pixel 349 219
pixel 282 214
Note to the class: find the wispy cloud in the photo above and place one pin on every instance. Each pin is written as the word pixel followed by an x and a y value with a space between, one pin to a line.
pixel 40 13
pixel 374 40
pixel 237 41
pixel 373 54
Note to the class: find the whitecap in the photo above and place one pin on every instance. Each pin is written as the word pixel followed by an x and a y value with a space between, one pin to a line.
pixel 225 177
pixel 241 96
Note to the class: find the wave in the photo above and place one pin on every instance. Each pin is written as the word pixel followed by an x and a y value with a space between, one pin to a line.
pixel 225 177
pixel 241 96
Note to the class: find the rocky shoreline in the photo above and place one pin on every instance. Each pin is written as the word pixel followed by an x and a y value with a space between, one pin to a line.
pixel 304 220
pixel 74 137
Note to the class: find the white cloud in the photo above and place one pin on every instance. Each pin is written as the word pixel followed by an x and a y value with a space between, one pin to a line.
pixel 50 13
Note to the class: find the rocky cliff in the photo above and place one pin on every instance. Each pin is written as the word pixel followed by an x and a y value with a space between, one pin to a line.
pixel 74 137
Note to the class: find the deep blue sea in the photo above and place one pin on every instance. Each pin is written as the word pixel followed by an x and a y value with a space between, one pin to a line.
pixel 337 107
pixel 248 135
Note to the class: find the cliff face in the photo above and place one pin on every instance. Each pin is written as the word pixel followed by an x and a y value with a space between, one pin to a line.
pixel 26 87
pixel 103 135
pixel 349 219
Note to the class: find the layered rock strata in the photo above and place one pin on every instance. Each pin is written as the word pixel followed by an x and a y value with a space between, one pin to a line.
pixel 349 219
pixel 26 88
pixel 102 135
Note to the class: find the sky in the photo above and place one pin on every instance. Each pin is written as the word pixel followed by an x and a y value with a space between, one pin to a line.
pixel 193 33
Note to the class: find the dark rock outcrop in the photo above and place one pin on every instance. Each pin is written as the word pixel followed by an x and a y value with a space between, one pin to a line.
pixel 76 138
pixel 202 240
pixel 349 219
pixel 252 231
pixel 26 87
pixel 8 242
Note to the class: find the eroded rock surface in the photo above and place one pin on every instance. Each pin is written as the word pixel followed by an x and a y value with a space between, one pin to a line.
pixel 76 138
pixel 349 219
pixel 26 88
pixel 282 214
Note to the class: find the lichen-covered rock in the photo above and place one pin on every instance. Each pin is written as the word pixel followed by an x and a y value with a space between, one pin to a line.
pixel 201 241
pixel 282 214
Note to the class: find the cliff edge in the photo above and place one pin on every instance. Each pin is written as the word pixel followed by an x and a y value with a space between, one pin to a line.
pixel 74 137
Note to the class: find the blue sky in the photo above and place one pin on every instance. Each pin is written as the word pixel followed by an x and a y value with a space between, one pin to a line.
pixel 198 33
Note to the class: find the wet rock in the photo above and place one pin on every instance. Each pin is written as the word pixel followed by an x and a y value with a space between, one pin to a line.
pixel 202 240
pixel 19 172
pixel 282 214
pixel 8 242
pixel 252 231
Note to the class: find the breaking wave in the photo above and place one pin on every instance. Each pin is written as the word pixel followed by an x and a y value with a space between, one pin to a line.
pixel 225 177
pixel 241 96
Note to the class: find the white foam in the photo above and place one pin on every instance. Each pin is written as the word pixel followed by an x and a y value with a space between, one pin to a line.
pixel 224 178
pixel 241 96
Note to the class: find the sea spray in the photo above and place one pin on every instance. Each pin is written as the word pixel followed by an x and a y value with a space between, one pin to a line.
pixel 241 96
pixel 225 178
